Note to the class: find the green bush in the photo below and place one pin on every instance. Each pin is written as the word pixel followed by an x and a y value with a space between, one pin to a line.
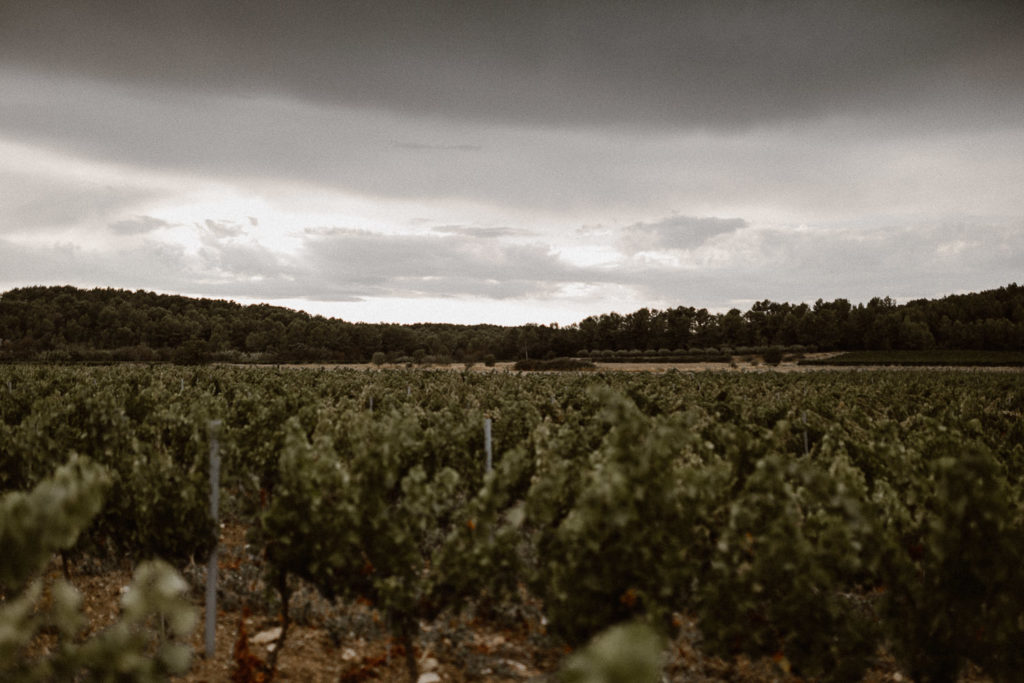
pixel 624 535
pixel 955 588
pixel 627 653
pixel 772 355
pixel 33 526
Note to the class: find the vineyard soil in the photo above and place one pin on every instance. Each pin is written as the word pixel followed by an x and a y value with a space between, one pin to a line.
pixel 313 654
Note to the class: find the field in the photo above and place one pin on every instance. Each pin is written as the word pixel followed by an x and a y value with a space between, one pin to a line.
pixel 933 358
pixel 820 525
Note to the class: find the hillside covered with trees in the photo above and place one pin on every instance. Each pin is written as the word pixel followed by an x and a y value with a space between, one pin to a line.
pixel 66 323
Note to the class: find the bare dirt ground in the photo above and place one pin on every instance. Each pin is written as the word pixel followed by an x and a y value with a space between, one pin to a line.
pixel 345 644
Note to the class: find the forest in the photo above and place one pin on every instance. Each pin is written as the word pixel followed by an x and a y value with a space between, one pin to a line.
pixel 70 324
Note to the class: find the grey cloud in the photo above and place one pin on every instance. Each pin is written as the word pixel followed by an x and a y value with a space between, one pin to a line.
pixel 228 271
pixel 812 170
pixel 246 261
pixel 442 148
pixel 677 232
pixel 360 263
pixel 139 225
pixel 332 231
pixel 228 255
pixel 222 229
pixel 704 63
pixel 484 233
pixel 40 203
pixel 335 264
pixel 150 265
pixel 902 260
pixel 203 132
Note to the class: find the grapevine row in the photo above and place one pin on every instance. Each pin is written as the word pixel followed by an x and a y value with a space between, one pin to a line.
pixel 814 518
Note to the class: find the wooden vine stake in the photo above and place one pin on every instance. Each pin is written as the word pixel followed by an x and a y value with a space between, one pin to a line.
pixel 213 432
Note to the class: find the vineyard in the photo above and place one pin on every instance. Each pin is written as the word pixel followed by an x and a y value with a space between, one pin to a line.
pixel 828 523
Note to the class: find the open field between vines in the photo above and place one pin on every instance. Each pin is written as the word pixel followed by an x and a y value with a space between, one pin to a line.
pixel 814 524
pixel 807 363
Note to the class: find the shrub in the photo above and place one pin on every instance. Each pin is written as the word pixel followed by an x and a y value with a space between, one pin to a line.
pixel 626 653
pixel 955 589
pixel 192 352
pixel 35 524
pixel 772 355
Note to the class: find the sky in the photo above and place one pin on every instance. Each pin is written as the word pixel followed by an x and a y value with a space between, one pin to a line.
pixel 511 162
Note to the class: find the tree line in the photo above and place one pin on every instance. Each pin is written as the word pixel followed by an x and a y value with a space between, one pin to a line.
pixel 66 323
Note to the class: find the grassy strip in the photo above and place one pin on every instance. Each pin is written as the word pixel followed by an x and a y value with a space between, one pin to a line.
pixel 685 358
pixel 554 364
pixel 919 358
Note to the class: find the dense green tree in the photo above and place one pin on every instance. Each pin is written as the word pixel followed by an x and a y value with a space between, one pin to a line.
pixel 110 324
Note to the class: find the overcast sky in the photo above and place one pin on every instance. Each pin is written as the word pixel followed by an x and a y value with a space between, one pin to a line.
pixel 512 161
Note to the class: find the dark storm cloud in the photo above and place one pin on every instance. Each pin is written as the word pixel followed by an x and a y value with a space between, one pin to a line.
pixel 661 63
pixel 837 164
pixel 677 232
pixel 266 138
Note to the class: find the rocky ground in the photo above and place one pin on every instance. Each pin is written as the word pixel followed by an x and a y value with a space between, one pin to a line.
pixel 349 643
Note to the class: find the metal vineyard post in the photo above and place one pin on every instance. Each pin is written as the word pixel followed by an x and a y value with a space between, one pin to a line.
pixel 213 431
pixel 487 443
